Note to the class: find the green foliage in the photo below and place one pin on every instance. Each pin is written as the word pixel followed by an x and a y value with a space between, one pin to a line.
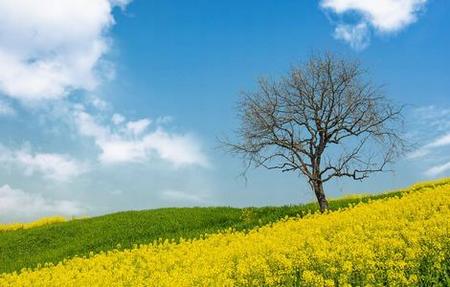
pixel 55 242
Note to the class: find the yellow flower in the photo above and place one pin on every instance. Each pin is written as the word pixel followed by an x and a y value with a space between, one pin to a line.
pixel 37 223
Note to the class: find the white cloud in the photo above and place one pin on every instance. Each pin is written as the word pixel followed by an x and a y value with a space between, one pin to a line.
pixel 98 103
pixel 17 204
pixel 438 169
pixel 430 127
pixel 356 35
pixel 178 149
pixel 117 119
pixel 128 141
pixel 57 167
pixel 439 142
pixel 418 153
pixel 48 48
pixel 384 16
pixel 139 126
pixel 435 117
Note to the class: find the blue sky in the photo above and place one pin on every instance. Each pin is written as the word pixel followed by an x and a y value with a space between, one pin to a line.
pixel 113 105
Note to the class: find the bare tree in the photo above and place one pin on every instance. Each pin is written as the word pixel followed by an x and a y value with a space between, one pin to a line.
pixel 324 120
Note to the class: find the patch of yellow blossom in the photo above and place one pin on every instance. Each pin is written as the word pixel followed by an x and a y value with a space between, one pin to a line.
pixel 393 242
pixel 40 222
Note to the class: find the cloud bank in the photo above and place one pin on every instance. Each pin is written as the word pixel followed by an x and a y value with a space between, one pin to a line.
pixel 17 204
pixel 52 166
pixel 122 141
pixel 381 16
pixel 49 48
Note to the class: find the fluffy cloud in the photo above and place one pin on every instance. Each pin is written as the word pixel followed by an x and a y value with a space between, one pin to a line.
pixel 17 204
pixel 355 35
pixel 48 48
pixel 117 119
pixel 383 16
pixel 57 167
pixel 138 127
pixel 121 141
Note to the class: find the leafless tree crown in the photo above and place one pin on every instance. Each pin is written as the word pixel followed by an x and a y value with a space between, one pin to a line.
pixel 324 119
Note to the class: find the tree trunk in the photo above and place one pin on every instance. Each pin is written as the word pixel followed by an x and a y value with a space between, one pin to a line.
pixel 320 194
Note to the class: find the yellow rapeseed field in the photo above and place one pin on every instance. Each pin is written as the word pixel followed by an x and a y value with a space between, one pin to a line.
pixel 393 242
pixel 37 223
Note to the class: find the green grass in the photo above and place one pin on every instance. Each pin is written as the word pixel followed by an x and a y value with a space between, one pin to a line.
pixel 53 243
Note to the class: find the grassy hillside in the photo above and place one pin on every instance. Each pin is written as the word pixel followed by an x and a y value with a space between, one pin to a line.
pixel 401 241
pixel 55 242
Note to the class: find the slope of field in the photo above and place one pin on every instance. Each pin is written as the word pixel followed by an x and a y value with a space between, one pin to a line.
pixel 53 243
pixel 399 241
